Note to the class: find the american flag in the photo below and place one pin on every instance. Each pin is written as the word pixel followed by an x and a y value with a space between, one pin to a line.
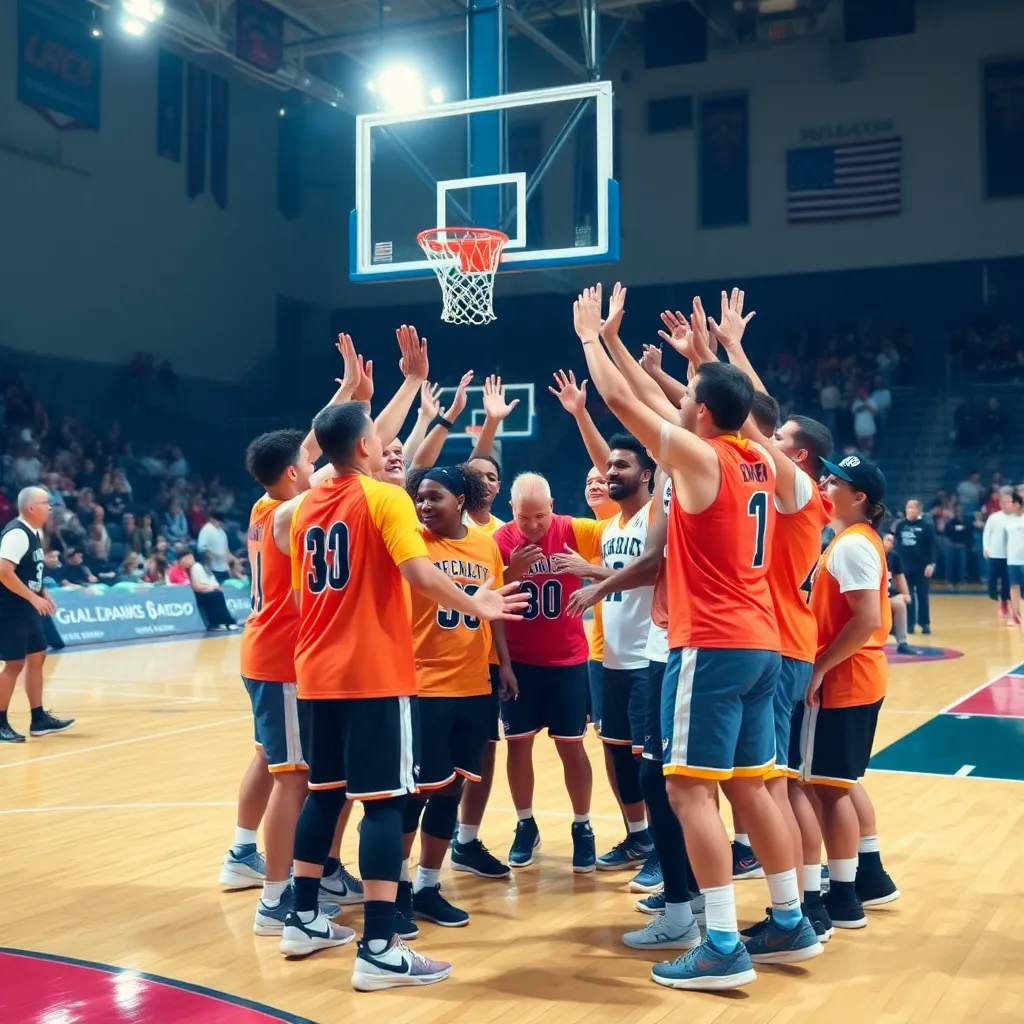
pixel 860 179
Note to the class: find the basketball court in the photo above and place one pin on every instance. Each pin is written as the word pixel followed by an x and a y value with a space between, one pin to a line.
pixel 113 837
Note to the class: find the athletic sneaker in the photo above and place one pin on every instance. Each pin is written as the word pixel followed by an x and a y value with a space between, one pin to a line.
pixel 744 863
pixel 775 945
pixel 244 870
pixel 270 920
pixel 394 967
pixel 845 915
pixel 704 968
pixel 405 923
pixel 584 849
pixel 659 934
pixel 631 852
pixel 876 888
pixel 46 724
pixel 8 735
pixel 653 904
pixel 341 887
pixel 299 939
pixel 475 858
pixel 820 921
pixel 525 842
pixel 905 648
pixel 649 877
pixel 429 905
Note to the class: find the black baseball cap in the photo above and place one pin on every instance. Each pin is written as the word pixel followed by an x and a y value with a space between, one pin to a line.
pixel 861 473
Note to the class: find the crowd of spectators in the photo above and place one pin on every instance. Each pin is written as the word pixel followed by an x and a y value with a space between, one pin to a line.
pixel 118 519
pixel 989 351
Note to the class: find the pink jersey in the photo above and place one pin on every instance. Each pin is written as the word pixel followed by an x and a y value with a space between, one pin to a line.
pixel 545 635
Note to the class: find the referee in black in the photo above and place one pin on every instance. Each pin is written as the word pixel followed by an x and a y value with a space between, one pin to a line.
pixel 23 602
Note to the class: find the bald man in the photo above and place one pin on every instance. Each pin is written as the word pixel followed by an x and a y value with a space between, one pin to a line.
pixel 22 603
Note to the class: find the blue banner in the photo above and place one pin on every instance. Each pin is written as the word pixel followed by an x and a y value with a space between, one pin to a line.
pixel 59 65
pixel 259 35
pixel 95 616
pixel 239 601
pixel 724 161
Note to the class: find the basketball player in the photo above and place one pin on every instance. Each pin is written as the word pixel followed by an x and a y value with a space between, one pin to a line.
pixel 717 719
pixel 453 672
pixel 353 541
pixel 482 461
pixel 549 658
pixel 850 602
pixel 23 601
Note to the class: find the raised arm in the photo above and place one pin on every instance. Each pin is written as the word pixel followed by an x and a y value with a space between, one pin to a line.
pixel 414 366
pixel 430 407
pixel 430 450
pixel 730 335
pixel 497 410
pixel 650 363
pixel 574 402
pixel 486 603
pixel 346 388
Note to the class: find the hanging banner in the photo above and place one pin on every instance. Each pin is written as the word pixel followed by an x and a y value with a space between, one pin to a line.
pixel 59 65
pixel 169 105
pixel 197 112
pixel 219 117
pixel 724 161
pixel 259 35
pixel 1004 128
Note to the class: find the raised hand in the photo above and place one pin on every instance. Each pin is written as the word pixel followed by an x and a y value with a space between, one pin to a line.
pixel 364 386
pixel 699 326
pixel 734 323
pixel 650 361
pixel 573 398
pixel 414 363
pixel 507 602
pixel 586 314
pixel 679 334
pixel 430 400
pixel 352 372
pixel 495 405
pixel 616 308
pixel 459 401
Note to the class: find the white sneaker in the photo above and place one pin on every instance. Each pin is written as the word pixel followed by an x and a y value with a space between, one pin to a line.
pixel 659 934
pixel 245 872
pixel 299 939
pixel 395 967
pixel 341 888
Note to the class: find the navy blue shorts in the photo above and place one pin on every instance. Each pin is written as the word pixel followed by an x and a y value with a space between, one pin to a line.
pixel 275 713
pixel 595 674
pixel 1015 575
pixel 493 732
pixel 794 678
pixel 717 712
pixel 653 747
pixel 624 707
pixel 554 697
pixel 453 733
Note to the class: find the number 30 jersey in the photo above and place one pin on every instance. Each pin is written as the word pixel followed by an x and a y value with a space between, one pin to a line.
pixel 717 562
pixel 626 616
pixel 348 538
pixel 452 649
pixel 546 635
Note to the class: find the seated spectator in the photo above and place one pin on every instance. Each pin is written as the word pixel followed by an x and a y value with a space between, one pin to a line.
pixel 115 493
pixel 178 574
pixel 175 524
pixel 98 538
pixel 864 426
pixel 52 569
pixel 51 481
pixel 86 507
pixel 51 538
pixel 177 468
pixel 157 571
pixel 27 466
pixel 138 534
pixel 196 515
pixel 881 399
pixel 209 597
pixel 75 572
pixel 99 560
pixel 968 493
pixel 162 548
pixel 213 541
pixel 237 569
pixel 131 569
pixel 71 532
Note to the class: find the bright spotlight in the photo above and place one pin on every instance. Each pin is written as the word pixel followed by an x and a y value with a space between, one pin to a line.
pixel 401 87
pixel 437 94
pixel 134 27
pixel 96 32
pixel 145 11
pixel 282 112
pixel 371 85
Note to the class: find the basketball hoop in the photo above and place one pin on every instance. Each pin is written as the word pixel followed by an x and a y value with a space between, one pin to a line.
pixel 465 261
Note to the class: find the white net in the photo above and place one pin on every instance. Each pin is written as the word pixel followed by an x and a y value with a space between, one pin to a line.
pixel 465 261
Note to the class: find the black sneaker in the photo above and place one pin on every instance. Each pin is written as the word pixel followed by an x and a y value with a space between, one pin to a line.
pixel 405 925
pixel 744 863
pixel 755 929
pixel 817 914
pixel 46 724
pixel 584 850
pixel 905 648
pixel 525 842
pixel 926 630
pixel 848 914
pixel 430 905
pixel 8 735
pixel 475 858
pixel 876 888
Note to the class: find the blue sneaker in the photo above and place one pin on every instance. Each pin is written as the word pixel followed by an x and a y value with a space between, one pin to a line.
pixel 270 920
pixel 659 934
pixel 429 905
pixel 774 945
pixel 630 853
pixel 405 923
pixel 475 858
pixel 649 877
pixel 244 869
pixel 653 904
pixel 525 842
pixel 705 969
pixel 744 863
pixel 342 888
pixel 584 850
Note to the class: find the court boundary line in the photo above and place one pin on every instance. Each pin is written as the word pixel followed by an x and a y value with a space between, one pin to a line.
pixel 943 775
pixel 988 682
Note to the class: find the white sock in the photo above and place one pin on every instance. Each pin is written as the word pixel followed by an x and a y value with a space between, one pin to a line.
pixel 579 819
pixel 524 813
pixel 426 878
pixel 403 875
pixel 638 826
pixel 244 837
pixel 468 833
pixel 868 844
pixel 377 946
pixel 273 891
pixel 782 889
pixel 812 878
pixel 679 915
pixel 844 870
pixel 720 909
pixel 742 837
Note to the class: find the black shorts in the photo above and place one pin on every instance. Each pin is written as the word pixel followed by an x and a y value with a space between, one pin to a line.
pixel 493 732
pixel 21 635
pixel 551 696
pixel 624 707
pixel 653 746
pixel 453 732
pixel 832 746
pixel 595 677
pixel 369 745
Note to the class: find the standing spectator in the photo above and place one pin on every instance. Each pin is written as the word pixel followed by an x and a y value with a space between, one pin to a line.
pixel 915 541
pixel 178 467
pixel 993 547
pixel 196 515
pixel 881 399
pixel 175 524
pixel 1015 551
pixel 959 534
pixel 968 493
pixel 830 399
pixel 214 542
pixel 138 534
pixel 864 426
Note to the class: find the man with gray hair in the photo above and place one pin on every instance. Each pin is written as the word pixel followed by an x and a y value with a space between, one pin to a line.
pixel 22 603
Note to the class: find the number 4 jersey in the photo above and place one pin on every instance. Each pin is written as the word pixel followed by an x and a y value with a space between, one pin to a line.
pixel 453 650
pixel 348 538
pixel 546 635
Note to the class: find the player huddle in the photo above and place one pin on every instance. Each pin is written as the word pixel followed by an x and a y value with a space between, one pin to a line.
pixel 729 656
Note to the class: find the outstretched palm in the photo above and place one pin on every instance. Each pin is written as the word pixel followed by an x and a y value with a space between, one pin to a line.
pixel 734 323
pixel 495 406
pixel 572 397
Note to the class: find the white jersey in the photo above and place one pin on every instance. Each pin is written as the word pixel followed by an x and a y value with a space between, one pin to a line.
pixel 1015 540
pixel 993 536
pixel 626 616
pixel 657 636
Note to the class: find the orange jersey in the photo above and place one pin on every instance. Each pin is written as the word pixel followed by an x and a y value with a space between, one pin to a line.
pixel 795 553
pixel 453 650
pixel 489 527
pixel 717 565
pixel 268 643
pixel 349 536
pixel 846 565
